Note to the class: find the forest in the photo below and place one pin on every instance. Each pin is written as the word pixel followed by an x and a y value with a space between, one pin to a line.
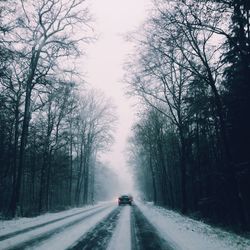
pixel 190 148
pixel 52 127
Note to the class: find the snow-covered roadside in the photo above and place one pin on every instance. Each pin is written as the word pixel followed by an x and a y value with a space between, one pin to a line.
pixel 121 238
pixel 68 237
pixel 9 226
pixel 36 233
pixel 191 234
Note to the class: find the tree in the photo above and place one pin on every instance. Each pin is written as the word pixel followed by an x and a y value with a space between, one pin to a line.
pixel 237 96
pixel 44 35
pixel 94 133
pixel 53 116
pixel 178 67
pixel 51 131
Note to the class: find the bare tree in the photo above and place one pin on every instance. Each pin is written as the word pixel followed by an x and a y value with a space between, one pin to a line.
pixel 46 33
pixel 94 132
pixel 179 57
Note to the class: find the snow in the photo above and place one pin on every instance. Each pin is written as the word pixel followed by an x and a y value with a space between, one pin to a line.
pixel 187 233
pixel 180 231
pixel 121 238
pixel 68 237
pixel 8 227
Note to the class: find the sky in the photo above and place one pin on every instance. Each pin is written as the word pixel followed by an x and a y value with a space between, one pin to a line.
pixel 113 19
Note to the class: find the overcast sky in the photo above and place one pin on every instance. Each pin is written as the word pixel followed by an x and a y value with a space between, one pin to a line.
pixel 105 58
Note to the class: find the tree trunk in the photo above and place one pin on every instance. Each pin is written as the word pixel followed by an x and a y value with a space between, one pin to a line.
pixel 80 177
pixel 14 168
pixel 47 195
pixel 155 198
pixel 15 200
pixel 183 174
pixel 71 165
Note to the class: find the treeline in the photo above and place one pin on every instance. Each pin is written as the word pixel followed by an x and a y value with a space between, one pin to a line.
pixel 191 145
pixel 51 130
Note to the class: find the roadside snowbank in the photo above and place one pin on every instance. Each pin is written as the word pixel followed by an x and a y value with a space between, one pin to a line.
pixel 191 234
pixel 70 236
pixel 8 226
pixel 75 223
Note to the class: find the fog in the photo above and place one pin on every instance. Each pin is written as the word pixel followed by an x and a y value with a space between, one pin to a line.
pixel 113 19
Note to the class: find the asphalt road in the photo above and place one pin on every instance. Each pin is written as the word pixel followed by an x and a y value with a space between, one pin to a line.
pixel 141 234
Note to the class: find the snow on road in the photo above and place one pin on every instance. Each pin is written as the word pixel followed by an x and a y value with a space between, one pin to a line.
pixel 189 234
pixel 21 238
pixel 68 237
pixel 9 226
pixel 121 238
pixel 183 232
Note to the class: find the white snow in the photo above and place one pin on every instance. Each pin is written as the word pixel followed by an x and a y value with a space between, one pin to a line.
pixel 68 237
pixel 13 241
pixel 9 226
pixel 190 234
pixel 184 233
pixel 121 238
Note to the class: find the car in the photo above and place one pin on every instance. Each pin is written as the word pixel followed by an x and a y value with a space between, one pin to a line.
pixel 125 199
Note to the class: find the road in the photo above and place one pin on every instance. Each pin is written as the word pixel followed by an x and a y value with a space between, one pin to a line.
pixel 106 226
